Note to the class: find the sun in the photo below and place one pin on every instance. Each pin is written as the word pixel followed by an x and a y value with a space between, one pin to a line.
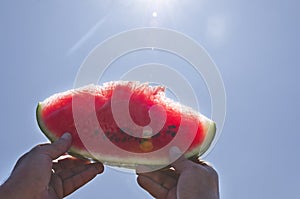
pixel 158 7
pixel 154 14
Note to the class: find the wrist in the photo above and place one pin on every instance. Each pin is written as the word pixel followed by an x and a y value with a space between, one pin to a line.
pixel 13 190
pixel 7 192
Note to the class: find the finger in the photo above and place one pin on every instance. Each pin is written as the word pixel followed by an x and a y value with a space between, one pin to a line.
pixel 162 178
pixel 68 163
pixel 79 179
pixel 155 189
pixel 59 147
pixel 181 163
pixel 149 169
pixel 69 173
pixel 20 160
pixel 172 194
pixel 55 185
pixel 172 173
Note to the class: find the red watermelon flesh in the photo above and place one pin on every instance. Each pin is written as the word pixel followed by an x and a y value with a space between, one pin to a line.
pixel 125 123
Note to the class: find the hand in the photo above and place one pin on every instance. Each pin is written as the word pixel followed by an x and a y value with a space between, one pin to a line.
pixel 37 176
pixel 186 180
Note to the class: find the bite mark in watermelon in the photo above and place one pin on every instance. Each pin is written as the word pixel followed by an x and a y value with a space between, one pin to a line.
pixel 88 115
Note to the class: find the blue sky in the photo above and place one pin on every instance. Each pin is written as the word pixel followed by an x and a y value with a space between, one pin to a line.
pixel 255 45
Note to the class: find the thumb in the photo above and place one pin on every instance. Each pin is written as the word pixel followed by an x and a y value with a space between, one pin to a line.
pixel 59 147
pixel 179 162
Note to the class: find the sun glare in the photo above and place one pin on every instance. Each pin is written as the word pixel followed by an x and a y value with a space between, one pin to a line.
pixel 160 7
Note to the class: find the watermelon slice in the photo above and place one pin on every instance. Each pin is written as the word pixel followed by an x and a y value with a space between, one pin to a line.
pixel 125 123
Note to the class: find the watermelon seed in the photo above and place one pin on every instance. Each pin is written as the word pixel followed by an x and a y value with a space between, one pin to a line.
pixel 109 136
pixel 156 135
pixel 172 127
pixel 171 130
pixel 143 140
pixel 106 135
pixel 112 137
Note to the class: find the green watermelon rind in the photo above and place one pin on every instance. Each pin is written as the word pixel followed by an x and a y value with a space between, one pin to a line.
pixel 52 138
pixel 210 129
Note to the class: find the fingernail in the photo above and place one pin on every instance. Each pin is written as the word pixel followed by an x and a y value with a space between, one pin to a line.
pixel 66 136
pixel 99 167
